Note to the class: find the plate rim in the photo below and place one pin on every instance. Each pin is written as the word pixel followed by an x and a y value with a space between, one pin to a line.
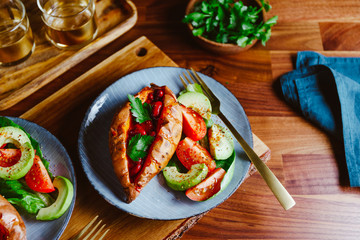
pixel 83 163
pixel 67 161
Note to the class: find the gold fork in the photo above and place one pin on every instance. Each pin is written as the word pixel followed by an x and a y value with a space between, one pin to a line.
pixel 92 231
pixel 274 184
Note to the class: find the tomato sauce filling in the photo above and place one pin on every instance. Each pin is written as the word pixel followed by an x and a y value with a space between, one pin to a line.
pixel 149 127
pixel 9 156
pixel 4 233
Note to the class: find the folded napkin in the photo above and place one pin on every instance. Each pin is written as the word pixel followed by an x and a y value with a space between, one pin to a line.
pixel 327 92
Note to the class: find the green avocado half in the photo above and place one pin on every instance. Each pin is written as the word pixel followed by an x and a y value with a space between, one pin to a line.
pixel 182 181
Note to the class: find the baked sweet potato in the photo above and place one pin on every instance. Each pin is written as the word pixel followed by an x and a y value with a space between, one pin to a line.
pixel 12 226
pixel 166 127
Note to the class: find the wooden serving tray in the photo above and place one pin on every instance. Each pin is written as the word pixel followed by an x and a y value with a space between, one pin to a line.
pixel 113 17
pixel 62 114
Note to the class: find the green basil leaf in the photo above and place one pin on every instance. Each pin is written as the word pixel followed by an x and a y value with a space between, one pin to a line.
pixel 198 31
pixel 241 41
pixel 272 21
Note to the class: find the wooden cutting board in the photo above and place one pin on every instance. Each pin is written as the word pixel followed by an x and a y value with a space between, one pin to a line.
pixel 113 18
pixel 62 114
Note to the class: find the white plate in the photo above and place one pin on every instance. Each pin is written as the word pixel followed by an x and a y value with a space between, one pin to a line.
pixel 156 201
pixel 60 165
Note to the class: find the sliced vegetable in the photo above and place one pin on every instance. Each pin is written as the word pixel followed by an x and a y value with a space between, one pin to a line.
pixel 38 178
pixel 19 138
pixel 190 152
pixel 221 142
pixel 208 122
pixel 62 202
pixel 9 157
pixel 194 126
pixel 182 181
pixel 194 88
pixel 198 102
pixel 208 187
pixel 4 122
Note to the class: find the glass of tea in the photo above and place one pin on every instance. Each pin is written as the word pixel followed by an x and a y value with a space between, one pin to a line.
pixel 69 24
pixel 16 38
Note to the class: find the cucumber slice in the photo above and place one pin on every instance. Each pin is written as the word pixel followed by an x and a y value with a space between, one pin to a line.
pixel 17 137
pixel 221 142
pixel 198 102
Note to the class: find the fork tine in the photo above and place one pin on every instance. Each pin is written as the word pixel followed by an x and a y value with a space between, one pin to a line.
pixel 87 227
pixel 199 81
pixel 97 233
pixel 183 81
pixel 203 85
pixel 191 76
pixel 102 236
pixel 187 78
pixel 92 230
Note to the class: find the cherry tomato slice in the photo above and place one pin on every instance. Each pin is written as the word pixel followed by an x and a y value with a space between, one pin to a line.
pixel 208 187
pixel 9 157
pixel 38 178
pixel 194 125
pixel 190 152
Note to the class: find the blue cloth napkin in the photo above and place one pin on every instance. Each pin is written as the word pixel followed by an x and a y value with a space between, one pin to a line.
pixel 327 92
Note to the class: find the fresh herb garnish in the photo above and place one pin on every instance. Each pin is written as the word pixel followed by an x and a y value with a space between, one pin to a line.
pixel 141 112
pixel 138 146
pixel 226 21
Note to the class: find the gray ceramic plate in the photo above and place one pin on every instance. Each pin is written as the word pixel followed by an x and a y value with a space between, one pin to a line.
pixel 156 201
pixel 60 165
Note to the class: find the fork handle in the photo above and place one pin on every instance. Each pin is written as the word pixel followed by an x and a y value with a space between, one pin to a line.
pixel 271 180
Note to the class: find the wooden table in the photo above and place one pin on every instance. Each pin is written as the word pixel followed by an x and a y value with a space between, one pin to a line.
pixel 309 164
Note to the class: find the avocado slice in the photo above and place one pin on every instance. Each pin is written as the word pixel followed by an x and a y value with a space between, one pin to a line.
pixel 19 138
pixel 198 102
pixel 182 181
pixel 221 142
pixel 62 202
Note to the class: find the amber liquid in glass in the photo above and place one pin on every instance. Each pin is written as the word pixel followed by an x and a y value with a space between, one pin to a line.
pixel 72 29
pixel 15 45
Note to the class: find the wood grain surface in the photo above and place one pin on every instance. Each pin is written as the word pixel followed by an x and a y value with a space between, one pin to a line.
pixel 309 163
pixel 113 18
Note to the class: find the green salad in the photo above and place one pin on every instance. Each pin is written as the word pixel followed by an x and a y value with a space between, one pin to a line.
pixel 229 21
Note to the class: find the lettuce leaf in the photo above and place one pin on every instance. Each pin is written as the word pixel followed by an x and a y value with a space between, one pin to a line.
pixel 20 195
pixel 226 164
